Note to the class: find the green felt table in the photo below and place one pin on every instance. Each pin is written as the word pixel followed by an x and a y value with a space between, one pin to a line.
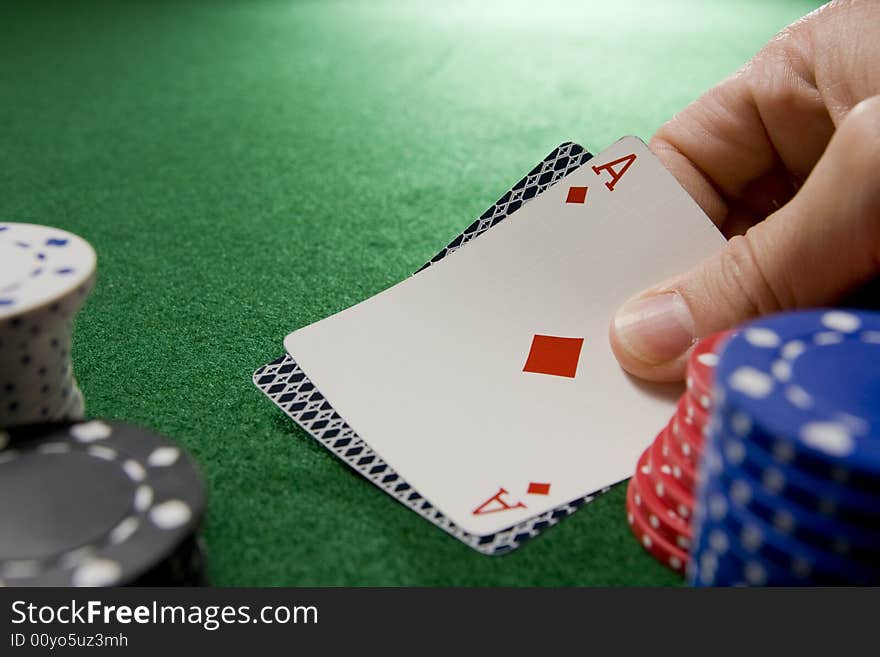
pixel 246 168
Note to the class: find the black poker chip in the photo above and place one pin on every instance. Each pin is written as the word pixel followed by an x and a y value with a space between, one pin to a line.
pixel 98 503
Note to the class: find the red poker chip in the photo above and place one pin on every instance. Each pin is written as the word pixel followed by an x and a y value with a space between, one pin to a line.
pixel 701 367
pixel 682 442
pixel 665 486
pixel 682 450
pixel 694 410
pixel 661 517
pixel 683 468
pixel 658 547
pixel 686 435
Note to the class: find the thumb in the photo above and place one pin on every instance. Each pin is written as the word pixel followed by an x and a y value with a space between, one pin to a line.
pixel 821 244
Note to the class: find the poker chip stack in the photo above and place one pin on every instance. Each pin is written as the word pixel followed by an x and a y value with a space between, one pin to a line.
pixel 82 503
pixel 789 490
pixel 98 503
pixel 660 495
pixel 45 276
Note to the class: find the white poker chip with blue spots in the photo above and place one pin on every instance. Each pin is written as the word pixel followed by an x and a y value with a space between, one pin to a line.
pixel 45 275
pixel 94 503
pixel 808 383
pixel 39 265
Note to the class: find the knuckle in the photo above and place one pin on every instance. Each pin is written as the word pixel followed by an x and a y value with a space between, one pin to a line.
pixel 861 129
pixel 858 165
pixel 861 168
pixel 745 280
pixel 785 80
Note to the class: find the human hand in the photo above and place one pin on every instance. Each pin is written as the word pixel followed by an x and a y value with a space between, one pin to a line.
pixel 784 157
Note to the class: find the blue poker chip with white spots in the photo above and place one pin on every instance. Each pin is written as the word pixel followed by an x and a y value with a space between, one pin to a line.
pixel 846 538
pixel 807 385
pixel 829 497
pixel 789 481
pixel 719 559
pixel 777 550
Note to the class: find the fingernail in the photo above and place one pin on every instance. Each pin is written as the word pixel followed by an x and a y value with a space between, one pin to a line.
pixel 655 329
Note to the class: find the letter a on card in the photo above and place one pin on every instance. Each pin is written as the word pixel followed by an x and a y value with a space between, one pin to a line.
pixel 497 503
pixel 625 163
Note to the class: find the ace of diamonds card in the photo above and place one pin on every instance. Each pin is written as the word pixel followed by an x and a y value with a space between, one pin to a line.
pixel 487 381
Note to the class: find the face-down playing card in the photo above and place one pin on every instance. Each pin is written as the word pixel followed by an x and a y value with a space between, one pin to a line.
pixel 284 382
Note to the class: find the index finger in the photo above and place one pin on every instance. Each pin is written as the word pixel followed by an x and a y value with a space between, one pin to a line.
pixel 768 116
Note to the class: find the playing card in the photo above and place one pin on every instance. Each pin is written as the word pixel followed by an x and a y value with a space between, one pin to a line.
pixel 561 161
pixel 487 381
pixel 290 389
